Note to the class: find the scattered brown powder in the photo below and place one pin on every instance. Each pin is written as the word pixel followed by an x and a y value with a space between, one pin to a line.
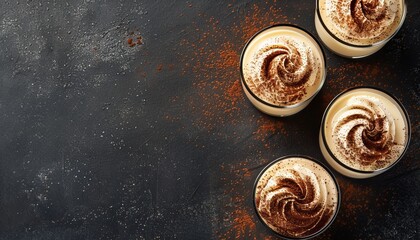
pixel 130 42
pixel 212 59
pixel 268 126
pixel 218 101
pixel 244 224
pixel 234 94
pixel 215 56
pixel 139 40
pixel 239 216
pixel 134 39
pixel 357 200
pixel 260 18
pixel 357 74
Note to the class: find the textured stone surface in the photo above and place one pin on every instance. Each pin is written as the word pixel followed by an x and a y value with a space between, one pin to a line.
pixel 105 139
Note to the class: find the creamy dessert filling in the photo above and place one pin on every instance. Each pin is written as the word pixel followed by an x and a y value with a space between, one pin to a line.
pixel 282 66
pixel 296 197
pixel 362 22
pixel 363 133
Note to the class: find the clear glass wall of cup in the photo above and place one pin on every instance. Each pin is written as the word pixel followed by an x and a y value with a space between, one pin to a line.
pixel 358 28
pixel 364 132
pixel 296 197
pixel 282 69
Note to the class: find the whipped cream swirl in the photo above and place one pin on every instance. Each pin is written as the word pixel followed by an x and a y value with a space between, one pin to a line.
pixel 282 70
pixel 364 133
pixel 365 21
pixel 294 199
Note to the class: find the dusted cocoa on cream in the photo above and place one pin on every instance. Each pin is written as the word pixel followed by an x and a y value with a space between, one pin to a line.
pixel 296 197
pixel 282 68
pixel 365 131
pixel 357 28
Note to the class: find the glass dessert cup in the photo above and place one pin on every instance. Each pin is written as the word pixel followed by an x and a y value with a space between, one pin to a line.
pixel 282 69
pixel 364 132
pixel 296 197
pixel 347 44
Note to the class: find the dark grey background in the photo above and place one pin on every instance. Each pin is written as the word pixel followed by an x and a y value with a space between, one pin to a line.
pixel 100 140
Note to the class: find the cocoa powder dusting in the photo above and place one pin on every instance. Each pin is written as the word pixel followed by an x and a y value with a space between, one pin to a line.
pixel 159 67
pixel 267 127
pixel 357 74
pixel 216 65
pixel 218 103
pixel 213 61
pixel 234 93
pixel 134 39
pixel 357 200
pixel 239 221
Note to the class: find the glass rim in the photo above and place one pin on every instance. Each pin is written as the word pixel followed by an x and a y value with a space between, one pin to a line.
pixel 244 83
pixel 324 166
pixel 327 147
pixel 383 41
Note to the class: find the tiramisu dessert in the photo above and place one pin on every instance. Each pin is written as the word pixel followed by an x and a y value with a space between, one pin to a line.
pixel 358 28
pixel 364 131
pixel 296 197
pixel 282 69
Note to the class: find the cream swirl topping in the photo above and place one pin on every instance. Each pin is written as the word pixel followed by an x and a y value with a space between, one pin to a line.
pixel 363 21
pixel 364 132
pixel 296 197
pixel 282 70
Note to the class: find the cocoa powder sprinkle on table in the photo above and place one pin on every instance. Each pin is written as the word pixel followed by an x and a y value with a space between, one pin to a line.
pixel 218 101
